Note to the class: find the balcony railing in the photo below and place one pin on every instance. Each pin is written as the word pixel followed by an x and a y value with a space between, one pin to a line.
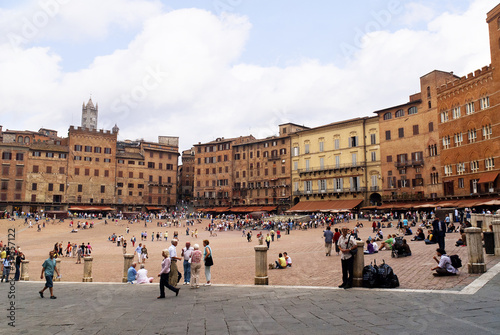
pixel 332 167
pixel 412 162
pixel 331 191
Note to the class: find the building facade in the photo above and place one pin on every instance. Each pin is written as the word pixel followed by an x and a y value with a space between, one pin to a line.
pixel 338 161
pixel 186 176
pixel 409 144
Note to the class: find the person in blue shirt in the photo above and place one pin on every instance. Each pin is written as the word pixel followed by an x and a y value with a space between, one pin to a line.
pixel 48 268
pixel 131 274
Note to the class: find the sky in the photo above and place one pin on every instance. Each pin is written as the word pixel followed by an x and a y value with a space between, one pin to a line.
pixel 203 69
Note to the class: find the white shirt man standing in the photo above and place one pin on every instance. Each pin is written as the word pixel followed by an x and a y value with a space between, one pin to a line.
pixel 346 244
pixel 186 253
pixel 138 251
pixel 174 272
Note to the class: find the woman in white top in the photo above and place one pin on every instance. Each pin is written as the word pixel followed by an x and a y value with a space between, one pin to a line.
pixel 142 276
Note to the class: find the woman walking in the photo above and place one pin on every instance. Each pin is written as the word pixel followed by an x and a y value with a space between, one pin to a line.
pixel 207 256
pixel 165 270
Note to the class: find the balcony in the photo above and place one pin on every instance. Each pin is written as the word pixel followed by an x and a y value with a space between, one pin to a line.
pixel 409 163
pixel 332 167
pixel 274 158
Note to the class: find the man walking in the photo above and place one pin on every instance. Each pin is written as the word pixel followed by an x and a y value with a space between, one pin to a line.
pixel 328 234
pixel 346 244
pixel 439 230
pixel 48 268
pixel 174 272
pixel 186 253
pixel 138 251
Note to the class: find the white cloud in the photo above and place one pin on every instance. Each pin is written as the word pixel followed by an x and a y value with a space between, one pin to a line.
pixel 181 76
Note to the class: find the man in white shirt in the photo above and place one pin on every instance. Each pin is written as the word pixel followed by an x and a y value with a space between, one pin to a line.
pixel 346 244
pixel 444 267
pixel 186 253
pixel 174 272
pixel 138 251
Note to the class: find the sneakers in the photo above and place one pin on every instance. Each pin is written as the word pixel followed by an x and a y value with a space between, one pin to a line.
pixel 53 297
pixel 41 294
pixel 208 284
pixel 188 283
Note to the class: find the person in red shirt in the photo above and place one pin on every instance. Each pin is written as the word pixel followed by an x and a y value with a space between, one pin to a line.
pixel 336 237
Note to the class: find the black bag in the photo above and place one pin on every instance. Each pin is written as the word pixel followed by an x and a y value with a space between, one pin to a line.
pixel 386 276
pixel 370 276
pixel 209 261
pixel 352 252
pixel 456 262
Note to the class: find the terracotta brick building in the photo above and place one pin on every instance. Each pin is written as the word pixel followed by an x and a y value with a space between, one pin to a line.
pixel 186 176
pixel 470 126
pixel 409 144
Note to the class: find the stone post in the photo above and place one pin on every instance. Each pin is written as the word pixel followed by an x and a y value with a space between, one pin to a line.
pixel 418 217
pixel 488 219
pixel 128 259
pixel 261 277
pixel 356 216
pixel 359 264
pixel 58 266
pixel 25 270
pixel 496 233
pixel 450 215
pixel 402 216
pixel 473 219
pixel 87 269
pixel 475 250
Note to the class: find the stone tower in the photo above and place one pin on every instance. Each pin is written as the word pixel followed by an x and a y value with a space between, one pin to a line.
pixel 89 115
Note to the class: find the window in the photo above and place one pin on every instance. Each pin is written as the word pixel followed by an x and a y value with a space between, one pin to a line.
pixel 19 186
pixel 77 171
pixel 88 148
pixel 37 153
pixel 461 183
pixel 400 113
pixel 321 146
pixel 387 135
pixel 374 156
pixel 19 157
pixel 103 189
pixel 338 184
pixel 354 158
pixel 469 108
pixel 307 164
pixel 295 166
pixel 353 141
pixel 322 185
pixel 415 129
pixel 151 165
pixel 78 147
pixel 401 132
pixel 389 159
pixel 61 187
pixel 108 160
pixel 97 150
pixel 336 143
pixel 6 155
pixel 431 127
pixel 460 168
pixel 412 110
pixel 472 135
pixel 337 161
pixel 96 173
pixel 487 131
pixel 131 175
pixel 61 170
pixel 388 116
pixel 106 173
pixel 19 171
pixel 87 159
pixel 458 139
pixel 373 138
pixel 62 156
pixel 87 172
pixel 77 158
pixel 456 113
pixel 474 166
pixel 432 150
pixel 308 186
pixel 49 154
pixel 446 142
pixel 48 169
pixel 484 103
pixel 434 178
pixel 130 185
pixel 322 163
pixel 444 116
pixel 107 150
pixel 51 187
pixel 489 163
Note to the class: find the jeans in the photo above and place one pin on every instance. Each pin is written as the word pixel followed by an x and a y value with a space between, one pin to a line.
pixel 187 271
pixel 6 273
pixel 208 275
pixel 164 283
pixel 18 272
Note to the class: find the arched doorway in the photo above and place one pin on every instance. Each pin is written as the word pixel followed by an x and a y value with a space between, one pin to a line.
pixel 375 199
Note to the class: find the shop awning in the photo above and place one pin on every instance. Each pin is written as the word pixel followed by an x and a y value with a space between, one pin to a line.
pixel 151 208
pixel 90 208
pixel 325 206
pixel 488 177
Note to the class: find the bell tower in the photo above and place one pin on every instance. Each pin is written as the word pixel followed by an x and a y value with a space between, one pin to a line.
pixel 89 115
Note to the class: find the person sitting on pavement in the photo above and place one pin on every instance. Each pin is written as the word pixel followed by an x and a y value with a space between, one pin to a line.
pixel 387 244
pixel 419 236
pixel 288 259
pixel 462 242
pixel 369 247
pixel 281 262
pixel 379 236
pixel 142 276
pixel 444 267
pixel 431 239
pixel 131 274
pixel 408 231
pixel 405 249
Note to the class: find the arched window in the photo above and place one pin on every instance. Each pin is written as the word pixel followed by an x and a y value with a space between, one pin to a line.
pixel 400 113
pixel 26 140
pixel 20 139
pixel 388 116
pixel 428 92
pixel 429 104
pixel 412 110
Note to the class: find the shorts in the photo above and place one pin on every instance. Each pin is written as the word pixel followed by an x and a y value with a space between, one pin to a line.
pixel 48 281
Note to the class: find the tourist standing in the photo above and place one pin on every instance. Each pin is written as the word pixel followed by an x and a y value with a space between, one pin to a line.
pixel 346 244
pixel 328 234
pixel 19 259
pixel 186 253
pixel 207 257
pixel 48 268
pixel 174 272
pixel 196 257
pixel 138 251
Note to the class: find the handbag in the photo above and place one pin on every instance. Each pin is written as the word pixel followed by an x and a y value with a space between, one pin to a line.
pixel 352 252
pixel 209 261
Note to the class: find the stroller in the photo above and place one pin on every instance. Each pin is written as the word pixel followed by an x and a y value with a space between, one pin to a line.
pixel 397 248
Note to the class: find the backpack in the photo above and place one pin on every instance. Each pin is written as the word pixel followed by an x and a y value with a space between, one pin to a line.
pixel 456 262
pixel 370 276
pixel 386 277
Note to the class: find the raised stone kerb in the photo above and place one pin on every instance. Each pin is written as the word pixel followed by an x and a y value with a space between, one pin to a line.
pixel 475 250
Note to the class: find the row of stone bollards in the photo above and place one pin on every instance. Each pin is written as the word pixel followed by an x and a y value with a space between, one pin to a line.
pixel 87 269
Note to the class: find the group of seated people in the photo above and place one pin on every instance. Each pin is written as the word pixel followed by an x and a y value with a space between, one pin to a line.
pixel 371 247
pixel 283 261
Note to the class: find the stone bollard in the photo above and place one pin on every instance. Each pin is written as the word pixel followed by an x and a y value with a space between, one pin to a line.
pixel 450 216
pixel 25 270
pixel 496 233
pixel 58 266
pixel 261 277
pixel 359 264
pixel 87 269
pixel 128 259
pixel 475 250
pixel 488 219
